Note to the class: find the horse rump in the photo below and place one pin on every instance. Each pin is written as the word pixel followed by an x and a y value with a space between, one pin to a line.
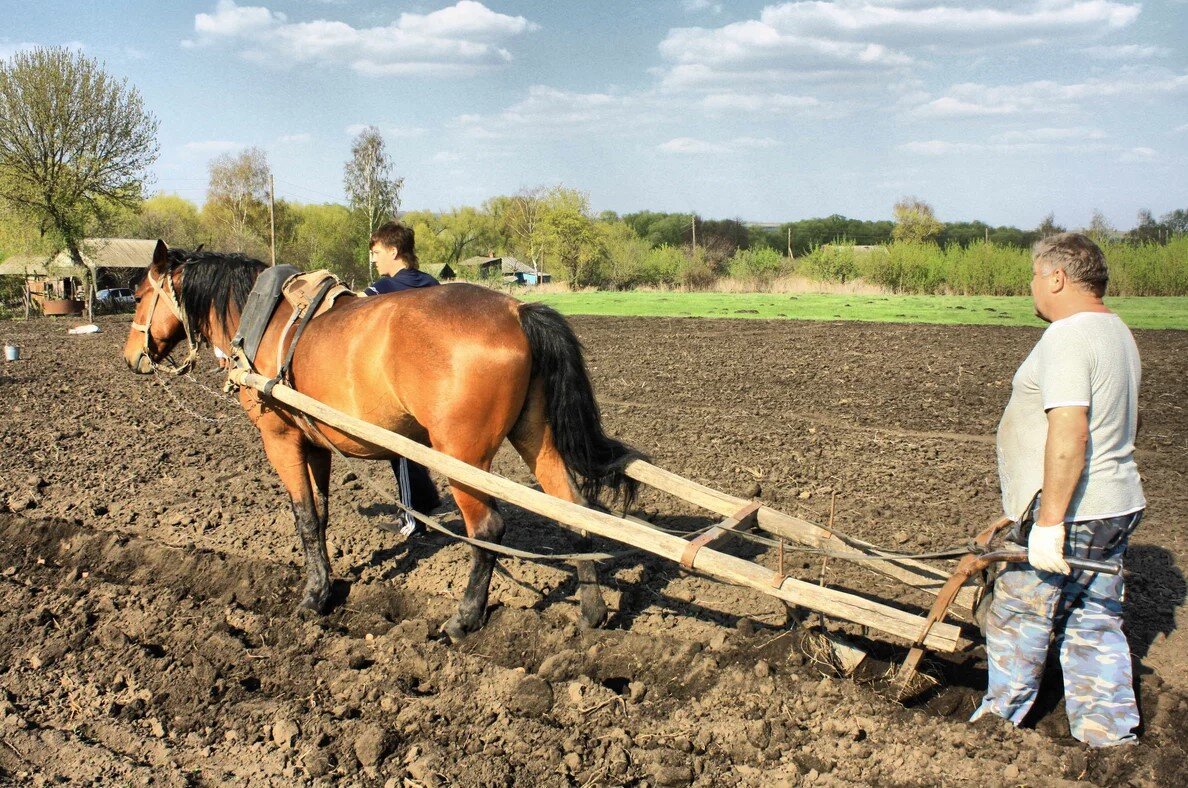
pixel 593 457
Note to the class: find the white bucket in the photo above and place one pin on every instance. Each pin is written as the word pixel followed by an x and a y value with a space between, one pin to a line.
pixel 12 353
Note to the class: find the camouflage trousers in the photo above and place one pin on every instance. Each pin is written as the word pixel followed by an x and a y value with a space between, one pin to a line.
pixel 1080 614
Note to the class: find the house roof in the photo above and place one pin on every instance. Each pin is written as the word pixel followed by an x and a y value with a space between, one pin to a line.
pixel 113 253
pixel 478 261
pixel 437 269
pixel 513 266
pixel 23 265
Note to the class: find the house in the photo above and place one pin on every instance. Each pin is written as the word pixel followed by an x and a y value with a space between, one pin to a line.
pixel 521 273
pixel 442 272
pixel 479 267
pixel 107 262
pixel 509 268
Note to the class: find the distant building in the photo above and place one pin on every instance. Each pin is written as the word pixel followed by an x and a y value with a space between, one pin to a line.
pixel 509 268
pixel 109 262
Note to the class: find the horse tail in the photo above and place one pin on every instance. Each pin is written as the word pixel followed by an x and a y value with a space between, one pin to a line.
pixel 595 458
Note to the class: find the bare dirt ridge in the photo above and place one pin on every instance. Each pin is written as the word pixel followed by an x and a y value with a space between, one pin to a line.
pixel 148 572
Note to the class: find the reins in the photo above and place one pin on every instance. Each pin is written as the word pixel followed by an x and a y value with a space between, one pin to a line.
pixel 179 311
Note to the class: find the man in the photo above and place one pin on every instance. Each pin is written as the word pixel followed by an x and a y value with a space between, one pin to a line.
pixel 1068 431
pixel 394 255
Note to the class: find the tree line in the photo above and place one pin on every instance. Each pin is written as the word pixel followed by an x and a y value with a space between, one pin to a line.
pixel 76 146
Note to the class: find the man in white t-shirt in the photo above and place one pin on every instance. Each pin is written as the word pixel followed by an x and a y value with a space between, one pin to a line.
pixel 1068 432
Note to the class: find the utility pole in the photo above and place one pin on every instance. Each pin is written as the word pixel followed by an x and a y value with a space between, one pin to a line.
pixel 694 221
pixel 272 213
pixel 789 242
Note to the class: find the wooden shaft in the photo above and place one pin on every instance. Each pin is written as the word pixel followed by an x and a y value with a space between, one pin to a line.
pixel 913 573
pixel 904 625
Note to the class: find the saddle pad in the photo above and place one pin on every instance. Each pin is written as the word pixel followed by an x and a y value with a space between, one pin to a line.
pixel 260 306
pixel 300 289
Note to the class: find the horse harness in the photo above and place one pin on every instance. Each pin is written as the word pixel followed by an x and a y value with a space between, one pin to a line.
pixel 179 311
pixel 309 295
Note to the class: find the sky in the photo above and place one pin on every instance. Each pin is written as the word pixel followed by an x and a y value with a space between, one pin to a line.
pixel 999 111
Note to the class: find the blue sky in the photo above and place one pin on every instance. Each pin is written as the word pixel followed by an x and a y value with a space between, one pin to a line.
pixel 1000 111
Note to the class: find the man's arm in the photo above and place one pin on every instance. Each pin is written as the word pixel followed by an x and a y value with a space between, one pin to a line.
pixel 1064 462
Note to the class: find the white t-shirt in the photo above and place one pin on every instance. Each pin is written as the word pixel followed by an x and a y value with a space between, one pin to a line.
pixel 1087 359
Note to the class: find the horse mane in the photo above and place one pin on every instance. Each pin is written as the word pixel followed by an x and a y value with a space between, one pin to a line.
pixel 213 284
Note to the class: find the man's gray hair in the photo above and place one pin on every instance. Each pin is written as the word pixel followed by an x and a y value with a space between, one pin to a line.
pixel 1081 260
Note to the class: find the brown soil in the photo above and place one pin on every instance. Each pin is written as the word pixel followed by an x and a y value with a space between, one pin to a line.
pixel 148 571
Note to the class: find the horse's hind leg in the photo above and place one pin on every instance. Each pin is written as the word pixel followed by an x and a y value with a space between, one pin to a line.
pixel 533 439
pixel 301 468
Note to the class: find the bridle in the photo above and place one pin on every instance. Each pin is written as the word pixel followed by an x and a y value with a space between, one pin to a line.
pixel 168 295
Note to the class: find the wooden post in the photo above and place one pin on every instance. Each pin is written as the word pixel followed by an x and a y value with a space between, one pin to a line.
pixel 833 603
pixel 272 214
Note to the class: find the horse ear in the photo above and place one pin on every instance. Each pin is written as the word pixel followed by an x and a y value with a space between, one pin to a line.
pixel 160 256
pixel 199 248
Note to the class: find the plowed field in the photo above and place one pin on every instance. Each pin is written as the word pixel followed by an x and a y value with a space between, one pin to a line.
pixel 148 572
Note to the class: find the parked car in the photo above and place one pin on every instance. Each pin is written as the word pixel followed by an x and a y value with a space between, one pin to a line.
pixel 116 297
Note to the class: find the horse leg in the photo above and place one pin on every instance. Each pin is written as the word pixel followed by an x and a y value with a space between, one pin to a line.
pixel 533 439
pixel 301 469
pixel 482 522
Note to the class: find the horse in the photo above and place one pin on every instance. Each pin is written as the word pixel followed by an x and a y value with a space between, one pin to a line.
pixel 459 368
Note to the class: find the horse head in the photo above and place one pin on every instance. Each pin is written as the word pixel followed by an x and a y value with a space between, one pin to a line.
pixel 160 321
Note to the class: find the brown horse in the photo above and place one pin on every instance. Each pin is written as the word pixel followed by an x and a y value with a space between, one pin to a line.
pixel 458 367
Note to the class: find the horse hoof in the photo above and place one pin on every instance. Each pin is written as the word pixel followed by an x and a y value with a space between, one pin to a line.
pixel 310 609
pixel 453 631
pixel 595 616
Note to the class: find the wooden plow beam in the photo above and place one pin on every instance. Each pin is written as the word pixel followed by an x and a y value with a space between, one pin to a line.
pixel 721 566
pixel 912 573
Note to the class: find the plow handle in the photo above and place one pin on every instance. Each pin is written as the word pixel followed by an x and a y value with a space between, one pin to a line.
pixel 1085 564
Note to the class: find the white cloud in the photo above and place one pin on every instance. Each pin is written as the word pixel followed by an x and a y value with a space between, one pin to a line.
pixel 458 40
pixel 1139 155
pixel 1074 140
pixel 10 48
pixel 693 6
pixel 232 20
pixel 212 147
pixel 1126 52
pixel 757 102
pixel 971 100
pixel 1078 133
pixel 832 41
pixel 395 132
pixel 294 139
pixel 688 146
pixel 1181 129
pixel 964 25
pixel 940 147
pixel 547 110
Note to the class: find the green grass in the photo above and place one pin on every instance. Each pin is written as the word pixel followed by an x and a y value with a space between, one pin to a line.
pixel 1150 312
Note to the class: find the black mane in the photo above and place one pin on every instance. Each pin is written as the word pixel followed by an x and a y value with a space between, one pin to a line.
pixel 212 283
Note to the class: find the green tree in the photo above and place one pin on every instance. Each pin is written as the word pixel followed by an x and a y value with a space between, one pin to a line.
pixel 236 211
pixel 1146 229
pixel 371 187
pixel 1048 226
pixel 1100 229
pixel 517 220
pixel 169 217
pixel 1176 221
pixel 75 142
pixel 915 221
pixel 326 236
pixel 569 238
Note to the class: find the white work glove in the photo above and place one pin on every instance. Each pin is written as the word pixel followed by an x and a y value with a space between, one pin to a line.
pixel 1045 548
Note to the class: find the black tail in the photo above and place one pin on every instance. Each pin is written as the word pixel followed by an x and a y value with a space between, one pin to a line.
pixel 596 459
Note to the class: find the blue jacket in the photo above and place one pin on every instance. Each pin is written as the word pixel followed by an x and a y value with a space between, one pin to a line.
pixel 405 279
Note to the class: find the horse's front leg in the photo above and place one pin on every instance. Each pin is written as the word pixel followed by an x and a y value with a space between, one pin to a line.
pixel 300 468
